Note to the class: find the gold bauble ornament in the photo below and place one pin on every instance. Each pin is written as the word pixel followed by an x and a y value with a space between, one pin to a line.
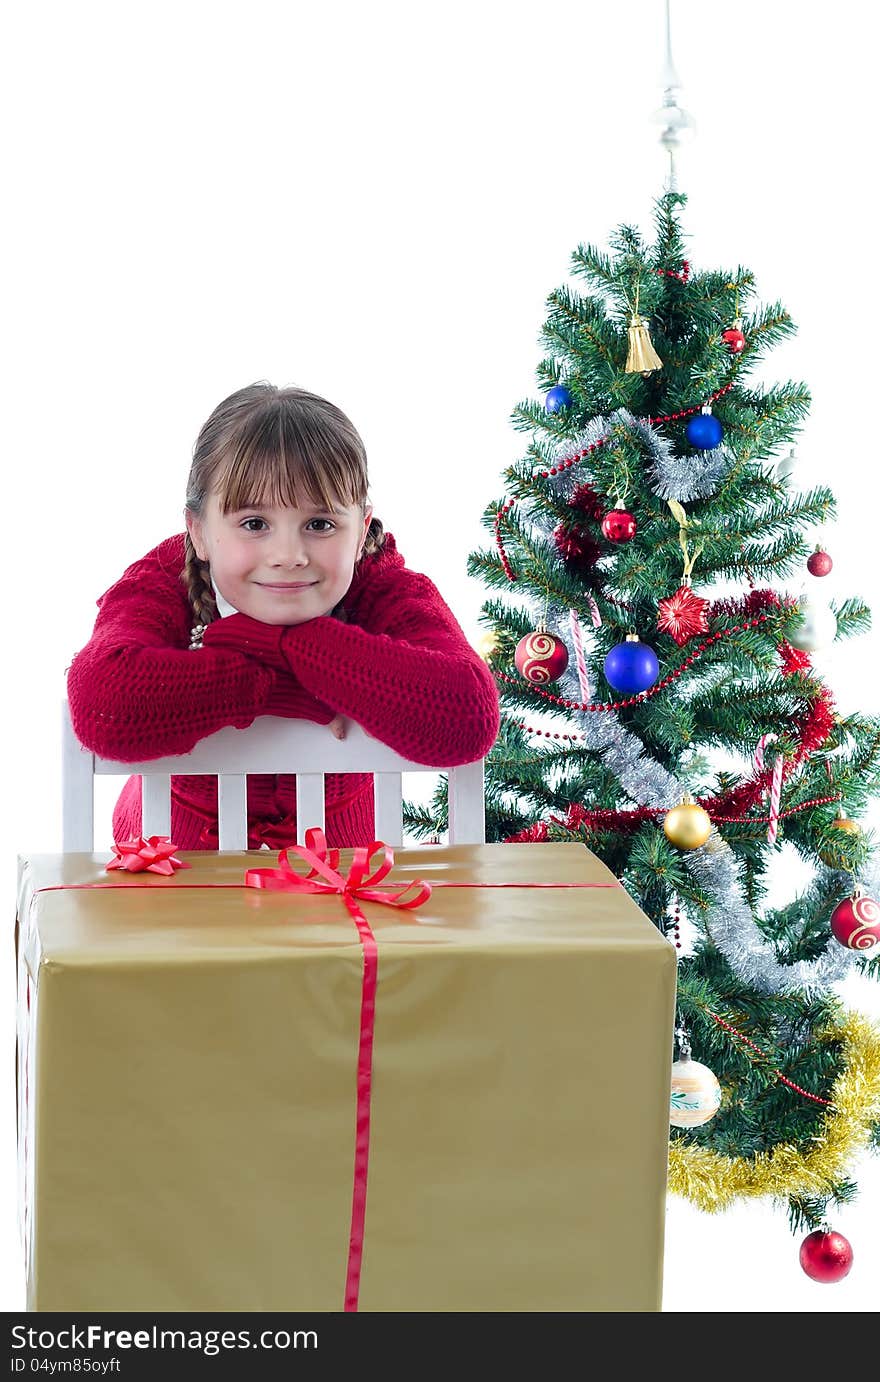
pixel 842 822
pixel 687 826
pixel 487 643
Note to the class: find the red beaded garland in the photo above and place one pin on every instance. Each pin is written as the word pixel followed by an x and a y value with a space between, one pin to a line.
pixel 499 542
pixel 671 273
pixel 676 924
pixel 778 1073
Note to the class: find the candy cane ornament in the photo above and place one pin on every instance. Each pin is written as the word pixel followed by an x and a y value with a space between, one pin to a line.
pixel 583 677
pixel 762 743
pixel 775 783
pixel 775 793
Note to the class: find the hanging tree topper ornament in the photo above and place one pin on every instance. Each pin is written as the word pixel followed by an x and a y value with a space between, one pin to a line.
pixel 683 614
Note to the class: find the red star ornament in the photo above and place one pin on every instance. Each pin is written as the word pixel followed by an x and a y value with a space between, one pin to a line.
pixel 682 615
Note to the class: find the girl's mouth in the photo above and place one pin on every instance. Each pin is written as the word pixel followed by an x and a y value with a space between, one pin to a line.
pixel 286 589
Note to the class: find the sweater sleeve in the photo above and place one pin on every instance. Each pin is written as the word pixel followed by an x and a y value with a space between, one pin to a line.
pixel 411 678
pixel 135 693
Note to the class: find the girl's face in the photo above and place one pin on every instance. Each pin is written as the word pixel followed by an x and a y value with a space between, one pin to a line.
pixel 280 565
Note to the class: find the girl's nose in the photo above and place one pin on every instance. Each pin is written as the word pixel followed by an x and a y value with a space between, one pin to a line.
pixel 289 550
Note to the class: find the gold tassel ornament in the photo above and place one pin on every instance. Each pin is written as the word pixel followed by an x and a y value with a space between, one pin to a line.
pixel 641 358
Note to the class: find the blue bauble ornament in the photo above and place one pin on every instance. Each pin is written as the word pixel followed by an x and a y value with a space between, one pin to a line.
pixel 632 666
pixel 557 399
pixel 704 431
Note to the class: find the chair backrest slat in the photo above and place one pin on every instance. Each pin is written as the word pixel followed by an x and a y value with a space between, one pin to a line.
pixel 231 810
pixel 467 806
pixel 156 804
pixel 388 807
pixel 309 803
pixel 77 790
pixel 268 746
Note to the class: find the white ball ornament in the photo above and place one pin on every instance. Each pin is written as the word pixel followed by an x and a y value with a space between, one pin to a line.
pixel 696 1094
pixel 817 627
pixel 786 464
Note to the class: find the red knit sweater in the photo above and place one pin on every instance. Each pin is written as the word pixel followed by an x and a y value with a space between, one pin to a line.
pixel 401 667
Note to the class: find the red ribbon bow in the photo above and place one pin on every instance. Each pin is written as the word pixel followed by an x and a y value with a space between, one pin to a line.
pixel 155 855
pixel 324 864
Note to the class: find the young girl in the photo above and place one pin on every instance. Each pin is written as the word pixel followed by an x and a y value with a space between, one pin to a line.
pixel 283 597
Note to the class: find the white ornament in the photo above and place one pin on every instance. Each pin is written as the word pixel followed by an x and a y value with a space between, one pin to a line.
pixel 786 465
pixel 696 1094
pixel 818 625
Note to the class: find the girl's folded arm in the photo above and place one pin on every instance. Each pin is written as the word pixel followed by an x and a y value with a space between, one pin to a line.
pixel 134 695
pixel 413 681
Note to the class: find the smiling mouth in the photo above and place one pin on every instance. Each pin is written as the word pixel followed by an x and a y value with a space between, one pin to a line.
pixel 300 585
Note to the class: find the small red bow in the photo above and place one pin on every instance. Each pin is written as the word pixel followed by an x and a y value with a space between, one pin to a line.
pixel 155 855
pixel 325 863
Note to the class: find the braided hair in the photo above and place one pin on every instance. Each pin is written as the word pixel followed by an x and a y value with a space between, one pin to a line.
pixel 269 445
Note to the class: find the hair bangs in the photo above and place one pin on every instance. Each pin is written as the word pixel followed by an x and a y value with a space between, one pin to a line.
pixel 283 460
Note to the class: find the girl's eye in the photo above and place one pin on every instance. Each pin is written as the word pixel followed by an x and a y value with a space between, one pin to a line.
pixel 329 526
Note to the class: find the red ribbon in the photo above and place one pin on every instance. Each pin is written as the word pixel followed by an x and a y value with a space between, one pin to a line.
pixel 325 863
pixel 155 855
pixel 324 877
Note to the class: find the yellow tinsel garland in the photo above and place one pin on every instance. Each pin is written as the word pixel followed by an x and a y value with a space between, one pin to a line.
pixel 712 1181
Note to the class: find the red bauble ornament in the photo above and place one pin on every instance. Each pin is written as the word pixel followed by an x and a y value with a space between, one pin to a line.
pixel 855 922
pixel 734 339
pixel 540 657
pixel 826 1256
pixel 619 526
pixel 819 563
pixel 682 615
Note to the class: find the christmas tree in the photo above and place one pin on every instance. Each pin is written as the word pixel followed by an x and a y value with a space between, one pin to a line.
pixel 660 706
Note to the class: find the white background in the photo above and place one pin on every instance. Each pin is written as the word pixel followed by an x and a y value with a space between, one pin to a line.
pixel 373 202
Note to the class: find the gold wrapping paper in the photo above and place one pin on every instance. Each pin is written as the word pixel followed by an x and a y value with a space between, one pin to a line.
pixel 186 1080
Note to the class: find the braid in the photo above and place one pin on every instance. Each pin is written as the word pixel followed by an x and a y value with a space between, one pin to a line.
pixel 375 539
pixel 198 585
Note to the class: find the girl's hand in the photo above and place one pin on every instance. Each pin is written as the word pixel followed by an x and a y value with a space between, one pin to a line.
pixel 337 726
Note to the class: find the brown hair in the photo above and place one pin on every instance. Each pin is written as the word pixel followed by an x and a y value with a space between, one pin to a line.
pixel 265 445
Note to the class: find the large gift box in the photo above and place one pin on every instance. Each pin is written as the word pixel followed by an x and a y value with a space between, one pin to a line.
pixel 240 1090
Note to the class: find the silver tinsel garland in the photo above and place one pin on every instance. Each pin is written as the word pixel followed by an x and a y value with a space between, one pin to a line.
pixel 729 923
pixel 695 476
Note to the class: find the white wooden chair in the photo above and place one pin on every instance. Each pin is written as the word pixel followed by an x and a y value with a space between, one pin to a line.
pixel 269 745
